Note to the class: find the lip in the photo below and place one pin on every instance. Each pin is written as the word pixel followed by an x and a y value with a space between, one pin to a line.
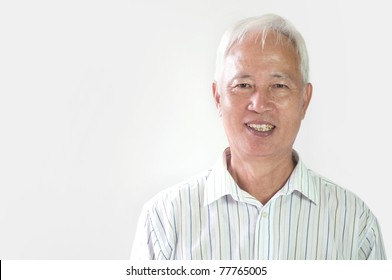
pixel 257 132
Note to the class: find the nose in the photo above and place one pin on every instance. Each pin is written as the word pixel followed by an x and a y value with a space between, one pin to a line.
pixel 260 101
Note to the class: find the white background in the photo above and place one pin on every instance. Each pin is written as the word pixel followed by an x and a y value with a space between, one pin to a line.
pixel 105 103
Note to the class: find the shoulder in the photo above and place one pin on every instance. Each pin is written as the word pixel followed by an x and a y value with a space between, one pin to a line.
pixel 343 207
pixel 327 186
pixel 164 212
pixel 339 198
pixel 182 191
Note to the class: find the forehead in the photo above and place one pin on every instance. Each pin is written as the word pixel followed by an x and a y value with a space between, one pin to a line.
pixel 256 50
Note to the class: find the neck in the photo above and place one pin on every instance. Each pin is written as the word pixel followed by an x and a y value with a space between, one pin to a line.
pixel 261 177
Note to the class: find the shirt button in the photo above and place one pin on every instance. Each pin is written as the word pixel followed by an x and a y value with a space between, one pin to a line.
pixel 265 214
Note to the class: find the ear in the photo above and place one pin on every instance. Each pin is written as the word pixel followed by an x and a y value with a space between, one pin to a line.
pixel 216 96
pixel 306 99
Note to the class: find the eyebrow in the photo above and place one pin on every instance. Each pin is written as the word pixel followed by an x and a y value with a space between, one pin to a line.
pixel 242 76
pixel 275 75
pixel 280 75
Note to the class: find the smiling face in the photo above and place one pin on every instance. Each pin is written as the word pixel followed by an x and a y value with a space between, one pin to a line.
pixel 261 97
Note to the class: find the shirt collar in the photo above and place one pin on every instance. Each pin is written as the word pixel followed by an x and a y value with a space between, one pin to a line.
pixel 220 183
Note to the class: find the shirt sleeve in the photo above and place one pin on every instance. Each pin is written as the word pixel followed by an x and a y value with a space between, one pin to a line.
pixel 372 245
pixel 145 243
pixel 150 242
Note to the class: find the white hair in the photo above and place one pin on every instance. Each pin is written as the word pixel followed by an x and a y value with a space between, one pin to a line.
pixel 260 26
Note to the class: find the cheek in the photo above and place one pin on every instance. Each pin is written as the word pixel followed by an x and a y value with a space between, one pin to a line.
pixel 291 113
pixel 232 106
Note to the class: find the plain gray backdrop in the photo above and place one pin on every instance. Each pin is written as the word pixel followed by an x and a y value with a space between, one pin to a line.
pixel 105 103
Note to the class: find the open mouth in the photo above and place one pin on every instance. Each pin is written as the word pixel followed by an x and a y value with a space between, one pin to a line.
pixel 261 127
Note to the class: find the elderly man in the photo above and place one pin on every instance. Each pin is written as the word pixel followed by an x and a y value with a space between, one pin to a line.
pixel 259 201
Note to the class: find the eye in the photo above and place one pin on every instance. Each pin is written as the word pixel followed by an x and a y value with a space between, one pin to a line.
pixel 280 86
pixel 242 88
pixel 243 85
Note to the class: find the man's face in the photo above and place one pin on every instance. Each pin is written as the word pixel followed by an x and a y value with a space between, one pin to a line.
pixel 261 97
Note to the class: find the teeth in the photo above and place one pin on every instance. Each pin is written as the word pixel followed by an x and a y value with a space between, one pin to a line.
pixel 261 127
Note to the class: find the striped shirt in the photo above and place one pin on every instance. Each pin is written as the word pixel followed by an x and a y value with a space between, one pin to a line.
pixel 211 217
